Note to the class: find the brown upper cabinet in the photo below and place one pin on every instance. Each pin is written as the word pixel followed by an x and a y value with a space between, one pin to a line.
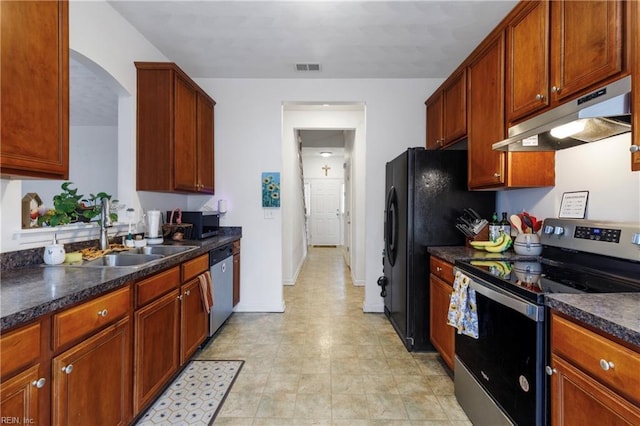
pixel 35 89
pixel 175 131
pixel 560 49
pixel 447 112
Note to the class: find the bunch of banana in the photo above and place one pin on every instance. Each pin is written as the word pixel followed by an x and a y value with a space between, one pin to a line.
pixel 496 267
pixel 501 243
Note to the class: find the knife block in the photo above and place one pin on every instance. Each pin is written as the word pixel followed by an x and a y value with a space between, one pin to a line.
pixel 483 235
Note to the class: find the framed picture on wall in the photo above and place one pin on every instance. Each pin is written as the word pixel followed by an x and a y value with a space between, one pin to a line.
pixel 270 189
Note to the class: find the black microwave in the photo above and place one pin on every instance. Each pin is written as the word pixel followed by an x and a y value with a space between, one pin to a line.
pixel 205 224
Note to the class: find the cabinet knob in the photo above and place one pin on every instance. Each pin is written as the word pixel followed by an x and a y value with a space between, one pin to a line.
pixel 68 369
pixel 438 269
pixel 39 383
pixel 103 313
pixel 187 293
pixel 496 175
pixel 634 148
pixel 540 97
pixel 555 89
pixel 550 370
pixel 606 365
pixel 180 297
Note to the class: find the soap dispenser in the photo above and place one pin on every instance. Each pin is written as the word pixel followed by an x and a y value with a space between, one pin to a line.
pixel 54 253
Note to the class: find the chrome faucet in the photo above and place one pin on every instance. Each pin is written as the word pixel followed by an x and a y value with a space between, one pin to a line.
pixel 105 222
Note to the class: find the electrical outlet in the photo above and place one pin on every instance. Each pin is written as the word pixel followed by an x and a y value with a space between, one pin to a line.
pixel 268 214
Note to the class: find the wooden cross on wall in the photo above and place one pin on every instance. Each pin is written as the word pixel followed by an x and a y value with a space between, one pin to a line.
pixel 326 169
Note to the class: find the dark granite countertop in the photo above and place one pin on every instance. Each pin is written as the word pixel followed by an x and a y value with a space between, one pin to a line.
pixel 29 292
pixel 617 314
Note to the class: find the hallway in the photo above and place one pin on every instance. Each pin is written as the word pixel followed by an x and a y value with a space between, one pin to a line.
pixel 325 362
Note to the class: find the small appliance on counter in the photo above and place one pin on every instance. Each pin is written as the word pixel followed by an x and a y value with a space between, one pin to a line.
pixel 205 224
pixel 154 230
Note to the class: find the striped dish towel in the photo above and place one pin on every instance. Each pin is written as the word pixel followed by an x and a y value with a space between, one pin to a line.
pixel 206 291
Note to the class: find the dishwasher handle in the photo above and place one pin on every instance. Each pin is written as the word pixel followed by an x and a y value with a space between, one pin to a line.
pixel 219 254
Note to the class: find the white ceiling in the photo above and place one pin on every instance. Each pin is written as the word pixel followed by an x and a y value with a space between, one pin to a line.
pixel 349 39
pixel 266 39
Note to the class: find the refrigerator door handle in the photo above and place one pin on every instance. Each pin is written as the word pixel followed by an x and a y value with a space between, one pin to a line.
pixel 391 226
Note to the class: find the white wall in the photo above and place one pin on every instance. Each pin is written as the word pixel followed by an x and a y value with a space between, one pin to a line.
pixel 603 168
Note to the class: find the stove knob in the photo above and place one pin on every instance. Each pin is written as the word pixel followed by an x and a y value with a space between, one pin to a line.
pixel 559 231
pixel 548 229
pixel 636 239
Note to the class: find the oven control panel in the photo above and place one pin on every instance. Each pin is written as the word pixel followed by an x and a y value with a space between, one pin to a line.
pixel 617 239
pixel 597 234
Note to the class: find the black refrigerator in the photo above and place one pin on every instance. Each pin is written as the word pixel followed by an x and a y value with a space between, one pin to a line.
pixel 425 191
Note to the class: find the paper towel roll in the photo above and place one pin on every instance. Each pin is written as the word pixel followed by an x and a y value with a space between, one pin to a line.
pixel 222 206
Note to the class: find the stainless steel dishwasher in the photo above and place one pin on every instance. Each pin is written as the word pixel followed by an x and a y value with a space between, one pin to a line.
pixel 221 268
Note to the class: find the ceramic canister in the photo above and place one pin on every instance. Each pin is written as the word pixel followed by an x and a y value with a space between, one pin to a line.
pixel 54 254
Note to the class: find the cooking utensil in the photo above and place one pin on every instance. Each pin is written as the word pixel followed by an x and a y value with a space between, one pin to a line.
pixel 528 223
pixel 516 222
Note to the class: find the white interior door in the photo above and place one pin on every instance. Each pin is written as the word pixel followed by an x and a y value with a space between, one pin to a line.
pixel 325 211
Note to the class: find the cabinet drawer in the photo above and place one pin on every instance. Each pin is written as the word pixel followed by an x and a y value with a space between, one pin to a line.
pixel 194 267
pixel 606 361
pixel 90 316
pixel 442 269
pixel 19 348
pixel 159 284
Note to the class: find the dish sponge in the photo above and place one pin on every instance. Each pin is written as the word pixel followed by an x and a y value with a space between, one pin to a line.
pixel 73 257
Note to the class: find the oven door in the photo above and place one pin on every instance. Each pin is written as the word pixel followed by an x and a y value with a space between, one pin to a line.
pixel 507 360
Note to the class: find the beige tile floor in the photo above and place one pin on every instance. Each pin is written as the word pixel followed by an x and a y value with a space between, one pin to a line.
pixel 325 362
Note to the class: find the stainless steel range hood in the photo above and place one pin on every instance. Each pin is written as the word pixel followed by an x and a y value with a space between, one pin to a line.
pixel 601 114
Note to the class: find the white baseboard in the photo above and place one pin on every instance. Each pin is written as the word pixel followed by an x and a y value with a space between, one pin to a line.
pixel 373 307
pixel 358 283
pixel 292 281
pixel 240 307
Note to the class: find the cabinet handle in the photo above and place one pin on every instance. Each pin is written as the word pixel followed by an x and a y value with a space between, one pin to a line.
pixel 187 293
pixel 496 175
pixel 606 365
pixel 550 370
pixel 39 383
pixel 555 89
pixel 103 313
pixel 634 148
pixel 180 297
pixel 68 369
pixel 438 269
pixel 540 97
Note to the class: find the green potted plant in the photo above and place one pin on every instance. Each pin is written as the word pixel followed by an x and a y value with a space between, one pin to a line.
pixel 69 207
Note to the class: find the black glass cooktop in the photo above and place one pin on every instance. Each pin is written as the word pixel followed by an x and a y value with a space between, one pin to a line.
pixel 556 272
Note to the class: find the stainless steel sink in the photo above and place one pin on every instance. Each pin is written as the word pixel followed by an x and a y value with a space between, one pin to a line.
pixel 162 250
pixel 122 259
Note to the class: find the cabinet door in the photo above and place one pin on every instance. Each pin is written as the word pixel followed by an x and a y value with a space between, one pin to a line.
pixel 156 346
pixel 527 74
pixel 92 380
pixel 587 44
pixel 194 320
pixel 434 122
pixel 19 396
pixel 184 156
pixel 34 63
pixel 577 399
pixel 486 116
pixel 205 145
pixel 454 108
pixel 442 335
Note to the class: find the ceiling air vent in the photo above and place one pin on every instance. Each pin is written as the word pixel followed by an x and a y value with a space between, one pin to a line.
pixel 307 67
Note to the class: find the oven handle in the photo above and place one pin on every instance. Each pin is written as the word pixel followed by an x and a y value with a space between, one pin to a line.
pixel 529 310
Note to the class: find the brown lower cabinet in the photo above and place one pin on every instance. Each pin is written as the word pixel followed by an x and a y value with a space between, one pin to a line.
pixel 78 365
pixel 441 334
pixel 91 381
pixel 593 377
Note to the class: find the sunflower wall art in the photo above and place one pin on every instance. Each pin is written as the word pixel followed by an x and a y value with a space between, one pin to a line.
pixel 270 189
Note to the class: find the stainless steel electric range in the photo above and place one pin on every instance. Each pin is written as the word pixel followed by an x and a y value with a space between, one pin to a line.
pixel 499 377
